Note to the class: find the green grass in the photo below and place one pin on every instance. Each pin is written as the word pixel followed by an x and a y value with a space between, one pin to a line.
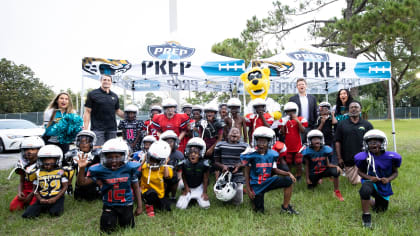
pixel 321 214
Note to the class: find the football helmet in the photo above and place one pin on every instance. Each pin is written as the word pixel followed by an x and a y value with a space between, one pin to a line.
pixel 159 151
pixel 211 107
pixel 86 133
pixel 315 133
pixel 325 104
pixel 264 132
pixel 170 134
pixel 169 102
pixel 114 146
pixel 156 108
pixel 222 104
pixel 224 188
pixel 148 138
pixel 258 102
pixel 290 106
pixel 187 105
pixel 30 142
pixel 131 108
pixel 234 102
pixel 196 142
pixel 375 134
pixel 49 151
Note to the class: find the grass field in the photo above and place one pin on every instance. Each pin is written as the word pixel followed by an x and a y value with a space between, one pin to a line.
pixel 321 213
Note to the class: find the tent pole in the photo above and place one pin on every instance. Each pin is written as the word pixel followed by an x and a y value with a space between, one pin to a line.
pixel 82 94
pixel 392 114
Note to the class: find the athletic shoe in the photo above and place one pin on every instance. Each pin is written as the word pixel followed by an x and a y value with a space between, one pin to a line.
pixel 367 220
pixel 150 211
pixel 338 195
pixel 289 210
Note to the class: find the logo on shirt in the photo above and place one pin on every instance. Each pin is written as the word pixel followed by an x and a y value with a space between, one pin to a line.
pixel 362 128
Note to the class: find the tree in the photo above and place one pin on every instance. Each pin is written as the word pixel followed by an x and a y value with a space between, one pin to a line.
pixel 151 99
pixel 20 90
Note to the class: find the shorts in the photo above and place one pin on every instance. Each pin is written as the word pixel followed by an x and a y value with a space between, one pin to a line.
pixel 351 174
pixel 367 191
pixel 195 193
pixel 17 204
pixel 294 158
pixel 103 136
pixel 116 215
pixel 329 172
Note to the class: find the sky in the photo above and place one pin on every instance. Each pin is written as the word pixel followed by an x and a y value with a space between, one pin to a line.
pixel 52 37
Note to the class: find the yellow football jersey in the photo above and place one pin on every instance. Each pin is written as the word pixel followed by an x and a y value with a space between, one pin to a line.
pixel 155 178
pixel 50 182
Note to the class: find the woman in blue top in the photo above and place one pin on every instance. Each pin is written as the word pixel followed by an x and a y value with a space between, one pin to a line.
pixel 342 104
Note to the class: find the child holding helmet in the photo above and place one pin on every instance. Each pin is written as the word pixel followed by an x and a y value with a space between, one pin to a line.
pixel 195 174
pixel 131 128
pixel 51 183
pixel 378 168
pixel 118 178
pixel 259 172
pixel 28 157
pixel 317 164
pixel 235 120
pixel 153 174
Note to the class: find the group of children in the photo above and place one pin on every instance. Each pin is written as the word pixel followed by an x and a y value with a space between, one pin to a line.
pixel 157 169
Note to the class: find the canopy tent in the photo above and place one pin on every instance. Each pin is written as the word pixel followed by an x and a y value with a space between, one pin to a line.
pixel 324 73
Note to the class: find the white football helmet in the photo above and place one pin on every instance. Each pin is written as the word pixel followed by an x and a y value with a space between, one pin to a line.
pixel 375 134
pixel 264 132
pixel 196 142
pixel 114 146
pixel 50 151
pixel 325 104
pixel 131 108
pixel 86 133
pixel 158 151
pixel 187 105
pixel 169 102
pixel 148 138
pixel 224 189
pixel 234 102
pixel 170 134
pixel 211 107
pixel 156 108
pixel 315 133
pixel 290 106
pixel 30 142
pixel 258 102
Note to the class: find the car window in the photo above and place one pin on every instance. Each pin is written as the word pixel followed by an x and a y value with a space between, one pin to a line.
pixel 17 124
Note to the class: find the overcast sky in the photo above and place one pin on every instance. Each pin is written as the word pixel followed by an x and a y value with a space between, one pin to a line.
pixel 52 37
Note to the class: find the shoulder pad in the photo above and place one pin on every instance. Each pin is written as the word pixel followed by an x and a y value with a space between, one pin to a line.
pixel 67 168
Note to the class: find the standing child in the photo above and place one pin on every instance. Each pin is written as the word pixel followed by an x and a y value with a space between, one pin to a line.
pixel 195 174
pixel 378 168
pixel 147 128
pixel 317 164
pixel 50 181
pixel 235 120
pixel 259 170
pixel 326 122
pixel 29 154
pixel 292 127
pixel 153 174
pixel 259 117
pixel 119 179
pixel 131 128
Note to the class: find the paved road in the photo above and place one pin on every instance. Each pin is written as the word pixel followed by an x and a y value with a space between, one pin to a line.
pixel 8 160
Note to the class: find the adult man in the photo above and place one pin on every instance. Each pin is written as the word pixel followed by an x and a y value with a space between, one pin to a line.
pixel 307 105
pixel 349 140
pixel 101 106
pixel 227 156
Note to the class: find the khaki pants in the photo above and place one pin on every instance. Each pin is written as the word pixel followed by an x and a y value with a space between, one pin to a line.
pixel 352 175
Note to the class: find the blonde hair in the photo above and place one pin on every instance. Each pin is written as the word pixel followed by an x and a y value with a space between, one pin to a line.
pixel 54 105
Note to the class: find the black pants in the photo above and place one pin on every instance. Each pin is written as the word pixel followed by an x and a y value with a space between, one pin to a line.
pixel 367 191
pixel 279 182
pixel 116 215
pixel 329 172
pixel 35 210
pixel 150 197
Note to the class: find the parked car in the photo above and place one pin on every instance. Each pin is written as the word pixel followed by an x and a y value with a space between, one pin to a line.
pixel 12 131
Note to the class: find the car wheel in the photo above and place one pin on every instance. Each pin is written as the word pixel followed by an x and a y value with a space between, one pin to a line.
pixel 1 146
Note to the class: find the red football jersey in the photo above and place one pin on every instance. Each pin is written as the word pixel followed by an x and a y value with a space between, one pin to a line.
pixel 178 123
pixel 292 134
pixel 253 121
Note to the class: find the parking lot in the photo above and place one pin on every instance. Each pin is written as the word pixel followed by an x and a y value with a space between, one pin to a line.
pixel 8 160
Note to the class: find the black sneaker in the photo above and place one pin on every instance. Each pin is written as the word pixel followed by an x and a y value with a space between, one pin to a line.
pixel 289 210
pixel 367 220
pixel 70 190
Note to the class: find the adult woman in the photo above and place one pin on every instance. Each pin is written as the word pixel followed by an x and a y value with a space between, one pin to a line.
pixel 57 110
pixel 343 101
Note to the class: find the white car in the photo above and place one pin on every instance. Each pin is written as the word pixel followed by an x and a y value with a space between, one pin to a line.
pixel 12 131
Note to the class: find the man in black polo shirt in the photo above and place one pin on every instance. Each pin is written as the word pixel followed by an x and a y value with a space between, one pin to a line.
pixel 100 108
pixel 349 140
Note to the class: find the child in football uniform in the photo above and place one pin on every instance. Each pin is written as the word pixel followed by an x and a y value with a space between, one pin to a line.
pixel 140 156
pixel 259 117
pixel 195 174
pixel 291 127
pixel 50 183
pixel 378 168
pixel 326 122
pixel 27 162
pixel 85 141
pixel 235 120
pixel 119 179
pixel 317 164
pixel 175 158
pixel 131 128
pixel 154 172
pixel 211 129
pixel 148 127
pixel 259 171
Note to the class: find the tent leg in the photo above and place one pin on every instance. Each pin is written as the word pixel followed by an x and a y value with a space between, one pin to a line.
pixel 392 114
pixel 82 95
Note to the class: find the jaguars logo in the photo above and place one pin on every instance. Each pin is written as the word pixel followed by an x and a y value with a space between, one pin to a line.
pixel 276 68
pixel 96 66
